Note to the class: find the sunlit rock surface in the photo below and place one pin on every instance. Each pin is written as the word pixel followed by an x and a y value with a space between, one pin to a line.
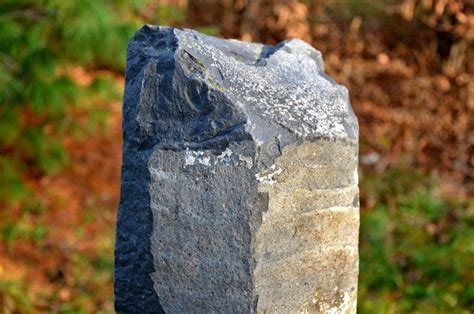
pixel 239 179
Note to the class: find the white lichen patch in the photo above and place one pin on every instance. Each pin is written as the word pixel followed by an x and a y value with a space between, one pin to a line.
pixel 192 157
pixel 207 158
pixel 225 156
pixel 248 161
pixel 344 307
pixel 356 175
pixel 189 159
pixel 266 177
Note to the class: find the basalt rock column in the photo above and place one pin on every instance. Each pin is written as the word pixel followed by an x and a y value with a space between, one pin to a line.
pixel 239 179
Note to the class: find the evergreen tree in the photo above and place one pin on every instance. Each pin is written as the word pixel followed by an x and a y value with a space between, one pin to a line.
pixel 40 41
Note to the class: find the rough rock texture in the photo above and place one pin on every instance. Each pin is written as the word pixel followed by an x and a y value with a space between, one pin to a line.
pixel 239 179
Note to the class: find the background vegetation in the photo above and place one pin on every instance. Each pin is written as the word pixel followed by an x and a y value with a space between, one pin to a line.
pixel 406 63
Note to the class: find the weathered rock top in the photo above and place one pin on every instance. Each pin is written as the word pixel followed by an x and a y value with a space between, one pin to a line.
pixel 260 88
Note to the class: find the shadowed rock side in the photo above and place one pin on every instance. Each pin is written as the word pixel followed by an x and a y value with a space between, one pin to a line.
pixel 238 186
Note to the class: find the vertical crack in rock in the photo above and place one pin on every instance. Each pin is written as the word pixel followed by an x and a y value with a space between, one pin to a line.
pixel 239 191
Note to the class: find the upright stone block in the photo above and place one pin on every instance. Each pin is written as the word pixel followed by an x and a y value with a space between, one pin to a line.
pixel 239 179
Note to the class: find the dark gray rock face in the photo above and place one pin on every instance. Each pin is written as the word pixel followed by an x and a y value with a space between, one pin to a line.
pixel 226 145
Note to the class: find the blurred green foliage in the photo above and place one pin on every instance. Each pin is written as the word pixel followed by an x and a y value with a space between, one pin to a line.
pixel 39 43
pixel 416 248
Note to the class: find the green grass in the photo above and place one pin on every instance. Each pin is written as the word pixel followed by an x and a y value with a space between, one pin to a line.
pixel 416 248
